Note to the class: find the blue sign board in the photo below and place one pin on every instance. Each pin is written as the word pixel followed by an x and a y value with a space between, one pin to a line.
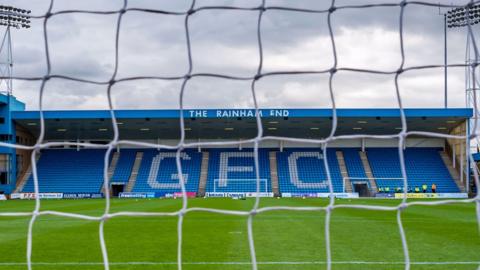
pixel 245 113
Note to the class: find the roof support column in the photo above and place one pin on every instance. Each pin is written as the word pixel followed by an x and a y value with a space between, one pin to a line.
pixel 461 164
pixel 453 156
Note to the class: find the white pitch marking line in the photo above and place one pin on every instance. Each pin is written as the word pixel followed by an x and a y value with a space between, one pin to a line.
pixel 243 263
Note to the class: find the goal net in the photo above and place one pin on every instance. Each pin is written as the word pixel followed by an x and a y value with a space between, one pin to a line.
pixel 260 11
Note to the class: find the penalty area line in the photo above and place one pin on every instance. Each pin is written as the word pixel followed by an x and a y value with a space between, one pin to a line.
pixel 242 263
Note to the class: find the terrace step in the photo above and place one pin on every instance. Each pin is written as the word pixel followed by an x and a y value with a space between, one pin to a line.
pixel 368 171
pixel 203 174
pixel 111 169
pixel 24 178
pixel 113 164
pixel 453 172
pixel 343 170
pixel 274 173
pixel 133 176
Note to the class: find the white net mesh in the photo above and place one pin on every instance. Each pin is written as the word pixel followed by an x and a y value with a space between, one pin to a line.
pixel 331 72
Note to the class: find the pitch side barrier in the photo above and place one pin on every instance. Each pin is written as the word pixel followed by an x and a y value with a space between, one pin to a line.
pixel 54 195
pixel 431 195
pixel 422 195
pixel 237 194
pixel 139 195
pixel 149 195
pixel 339 195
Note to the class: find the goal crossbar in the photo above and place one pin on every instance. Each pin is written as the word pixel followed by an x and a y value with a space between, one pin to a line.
pixel 261 181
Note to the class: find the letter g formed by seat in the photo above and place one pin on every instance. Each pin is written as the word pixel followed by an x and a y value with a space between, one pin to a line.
pixel 152 176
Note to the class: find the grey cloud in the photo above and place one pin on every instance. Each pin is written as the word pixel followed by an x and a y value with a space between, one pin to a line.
pixel 81 66
pixel 225 42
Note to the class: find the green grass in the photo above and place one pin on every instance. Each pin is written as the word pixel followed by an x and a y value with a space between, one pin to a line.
pixel 434 234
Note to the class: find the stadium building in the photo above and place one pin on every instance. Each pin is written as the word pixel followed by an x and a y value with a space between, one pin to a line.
pixel 364 167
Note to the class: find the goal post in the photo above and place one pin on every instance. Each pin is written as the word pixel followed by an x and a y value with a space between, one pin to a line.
pixel 240 185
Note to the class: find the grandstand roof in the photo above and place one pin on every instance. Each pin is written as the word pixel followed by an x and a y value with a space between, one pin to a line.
pixel 235 123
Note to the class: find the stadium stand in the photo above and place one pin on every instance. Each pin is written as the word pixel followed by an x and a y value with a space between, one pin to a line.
pixel 353 162
pixel 124 166
pixel 69 170
pixel 301 170
pixel 355 169
pixel 423 166
pixel 238 167
pixel 158 171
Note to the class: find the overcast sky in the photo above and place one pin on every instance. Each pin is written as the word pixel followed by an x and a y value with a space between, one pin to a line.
pixel 82 46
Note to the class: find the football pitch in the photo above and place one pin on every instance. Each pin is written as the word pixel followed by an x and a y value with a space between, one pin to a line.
pixel 439 237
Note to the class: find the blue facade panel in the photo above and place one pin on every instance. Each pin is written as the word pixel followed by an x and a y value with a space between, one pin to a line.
pixel 8 104
pixel 234 113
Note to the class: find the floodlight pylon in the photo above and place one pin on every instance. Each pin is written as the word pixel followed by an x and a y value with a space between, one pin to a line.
pixel 10 17
pixel 462 17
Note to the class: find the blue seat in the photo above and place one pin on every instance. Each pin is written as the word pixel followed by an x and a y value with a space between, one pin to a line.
pixel 423 166
pixel 233 170
pixel 69 170
pixel 309 174
pixel 355 169
pixel 158 171
pixel 300 170
pixel 124 167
